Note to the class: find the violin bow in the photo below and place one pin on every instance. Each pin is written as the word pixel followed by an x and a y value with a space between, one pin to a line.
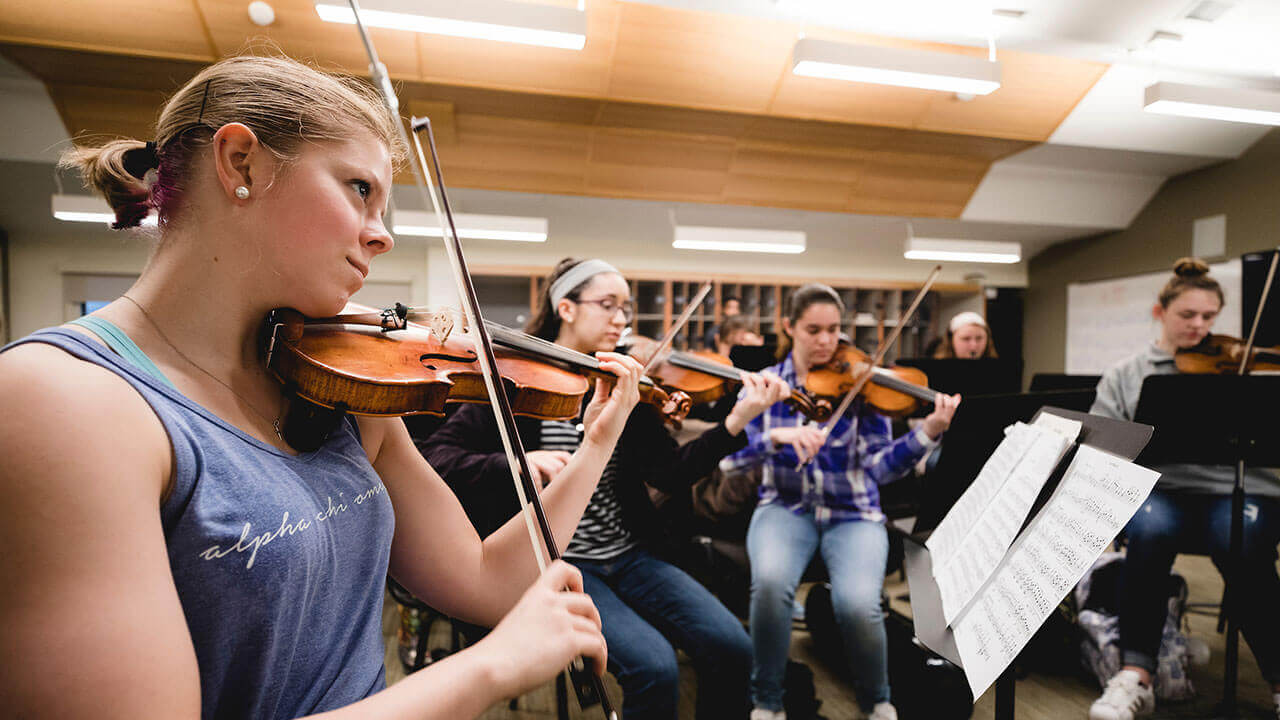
pixel 1257 314
pixel 677 326
pixel 881 351
pixel 587 685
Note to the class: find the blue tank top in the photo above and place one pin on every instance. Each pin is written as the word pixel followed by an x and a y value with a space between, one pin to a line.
pixel 280 561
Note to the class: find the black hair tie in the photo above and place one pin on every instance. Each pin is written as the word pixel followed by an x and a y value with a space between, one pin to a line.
pixel 139 160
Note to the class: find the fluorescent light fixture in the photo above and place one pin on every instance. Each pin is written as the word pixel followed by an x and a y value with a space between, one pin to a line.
pixel 1163 39
pixel 473 227
pixel 85 208
pixel 1258 107
pixel 978 251
pixel 500 20
pixel 895 66
pixel 702 237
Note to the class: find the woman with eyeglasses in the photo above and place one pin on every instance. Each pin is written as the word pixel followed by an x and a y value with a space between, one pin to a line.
pixel 648 607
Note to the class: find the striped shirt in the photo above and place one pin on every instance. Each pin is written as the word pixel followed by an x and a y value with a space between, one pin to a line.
pixel 600 534
pixel 843 482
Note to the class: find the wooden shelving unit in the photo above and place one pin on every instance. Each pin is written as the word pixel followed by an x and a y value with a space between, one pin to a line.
pixel 872 307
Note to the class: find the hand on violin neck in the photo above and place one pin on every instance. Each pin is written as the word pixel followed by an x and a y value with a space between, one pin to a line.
pixel 759 392
pixel 611 405
pixel 944 408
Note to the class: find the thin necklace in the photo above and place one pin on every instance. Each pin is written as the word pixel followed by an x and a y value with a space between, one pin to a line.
pixel 275 424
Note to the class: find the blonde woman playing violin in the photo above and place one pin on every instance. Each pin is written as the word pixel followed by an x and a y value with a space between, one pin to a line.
pixel 212 570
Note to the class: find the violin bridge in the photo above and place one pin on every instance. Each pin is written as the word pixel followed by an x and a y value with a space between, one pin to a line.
pixel 439 322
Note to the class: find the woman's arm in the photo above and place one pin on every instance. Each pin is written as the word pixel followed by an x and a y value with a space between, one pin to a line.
pixel 436 552
pixel 884 459
pixel 760 392
pixel 90 621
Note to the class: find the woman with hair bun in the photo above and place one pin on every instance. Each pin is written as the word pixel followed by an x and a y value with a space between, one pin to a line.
pixel 1189 510
pixel 149 493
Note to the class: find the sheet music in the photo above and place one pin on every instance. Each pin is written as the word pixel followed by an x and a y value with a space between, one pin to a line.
pixel 1096 497
pixel 985 545
pixel 944 540
pixel 1064 426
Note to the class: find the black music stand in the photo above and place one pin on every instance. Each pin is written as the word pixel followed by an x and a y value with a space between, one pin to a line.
pixel 1241 432
pixel 1123 439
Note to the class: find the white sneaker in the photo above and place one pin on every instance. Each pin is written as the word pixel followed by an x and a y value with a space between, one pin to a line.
pixel 1124 699
pixel 762 714
pixel 883 711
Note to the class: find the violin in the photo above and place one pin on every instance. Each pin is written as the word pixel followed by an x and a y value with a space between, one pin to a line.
pixel 895 391
pixel 370 363
pixel 1222 355
pixel 705 376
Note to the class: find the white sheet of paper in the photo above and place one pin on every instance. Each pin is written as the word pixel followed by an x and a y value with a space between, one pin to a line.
pixel 989 538
pixel 944 540
pixel 1097 496
pixel 1064 426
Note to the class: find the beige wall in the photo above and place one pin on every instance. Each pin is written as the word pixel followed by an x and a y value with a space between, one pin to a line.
pixel 1246 189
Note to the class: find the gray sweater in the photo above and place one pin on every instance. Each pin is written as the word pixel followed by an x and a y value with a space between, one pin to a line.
pixel 1118 398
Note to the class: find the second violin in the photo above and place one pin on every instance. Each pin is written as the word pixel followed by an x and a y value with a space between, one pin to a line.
pixel 895 391
pixel 706 376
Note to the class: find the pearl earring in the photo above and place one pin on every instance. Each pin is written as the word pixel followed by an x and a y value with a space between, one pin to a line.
pixel 242 192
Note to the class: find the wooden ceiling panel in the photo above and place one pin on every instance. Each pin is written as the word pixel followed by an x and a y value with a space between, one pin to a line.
pixel 791 192
pixel 780 161
pixel 522 67
pixel 664 118
pixel 649 149
pixel 656 183
pixel 512 105
pixel 520 146
pixel 93 114
pixel 915 189
pixel 157 28
pixel 696 59
pixel 1037 93
pixel 66 67
pixel 300 33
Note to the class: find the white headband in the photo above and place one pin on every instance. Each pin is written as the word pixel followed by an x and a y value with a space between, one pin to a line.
pixel 577 275
pixel 967 317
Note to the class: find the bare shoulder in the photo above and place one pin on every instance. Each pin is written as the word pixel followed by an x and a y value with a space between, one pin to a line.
pixel 85 461
pixel 51 401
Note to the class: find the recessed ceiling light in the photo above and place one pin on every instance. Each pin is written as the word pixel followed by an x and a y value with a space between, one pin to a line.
pixel 704 237
pixel 472 227
pixel 500 20
pixel 895 66
pixel 1209 10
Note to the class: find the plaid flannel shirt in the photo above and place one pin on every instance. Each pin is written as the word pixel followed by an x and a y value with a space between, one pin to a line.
pixel 843 482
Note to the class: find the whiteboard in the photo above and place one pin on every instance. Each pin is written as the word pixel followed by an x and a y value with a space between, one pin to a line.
pixel 1109 320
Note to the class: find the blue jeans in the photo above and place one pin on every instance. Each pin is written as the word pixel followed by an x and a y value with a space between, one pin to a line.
pixel 781 544
pixel 1169 523
pixel 646 607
